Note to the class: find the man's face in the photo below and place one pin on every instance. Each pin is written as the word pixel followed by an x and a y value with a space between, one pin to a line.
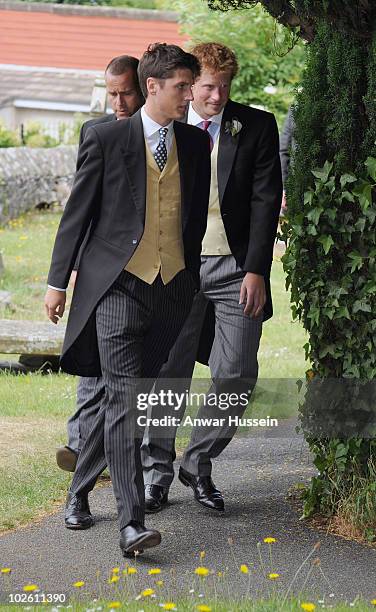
pixel 211 91
pixel 123 95
pixel 170 97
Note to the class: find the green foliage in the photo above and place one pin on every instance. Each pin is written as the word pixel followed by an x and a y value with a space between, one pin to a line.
pixel 333 237
pixel 8 138
pixel 35 135
pixel 267 75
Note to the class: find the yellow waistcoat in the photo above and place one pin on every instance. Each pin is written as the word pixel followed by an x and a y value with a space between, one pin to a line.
pixel 161 246
pixel 215 239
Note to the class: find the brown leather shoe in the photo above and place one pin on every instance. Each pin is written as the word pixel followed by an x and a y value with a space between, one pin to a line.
pixel 66 458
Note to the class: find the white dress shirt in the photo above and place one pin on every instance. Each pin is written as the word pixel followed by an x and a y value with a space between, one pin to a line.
pixel 151 133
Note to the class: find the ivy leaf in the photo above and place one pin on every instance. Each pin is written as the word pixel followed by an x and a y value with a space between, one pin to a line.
pixel 360 224
pixel 314 215
pixel 314 314
pixel 341 451
pixel 308 196
pixel 346 195
pixel 331 213
pixel 361 305
pixel 323 173
pixel 342 312
pixel 327 242
pixel 363 191
pixel 357 260
pixel 347 178
pixel 371 167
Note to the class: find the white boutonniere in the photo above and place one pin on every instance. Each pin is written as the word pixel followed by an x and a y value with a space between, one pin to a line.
pixel 233 127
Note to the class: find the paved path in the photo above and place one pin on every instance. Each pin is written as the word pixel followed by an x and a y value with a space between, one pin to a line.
pixel 255 474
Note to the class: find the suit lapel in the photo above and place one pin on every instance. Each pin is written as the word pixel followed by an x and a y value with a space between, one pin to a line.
pixel 227 148
pixel 187 166
pixel 135 161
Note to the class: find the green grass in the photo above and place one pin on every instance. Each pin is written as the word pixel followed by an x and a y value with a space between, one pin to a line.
pixel 192 604
pixel 34 408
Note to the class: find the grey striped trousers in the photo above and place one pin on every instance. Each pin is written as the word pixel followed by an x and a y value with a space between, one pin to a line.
pixel 137 324
pixel 233 366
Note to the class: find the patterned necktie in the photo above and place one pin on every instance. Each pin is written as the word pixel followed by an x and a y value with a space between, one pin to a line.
pixel 205 127
pixel 160 154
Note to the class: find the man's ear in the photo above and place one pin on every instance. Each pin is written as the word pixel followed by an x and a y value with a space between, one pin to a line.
pixel 152 85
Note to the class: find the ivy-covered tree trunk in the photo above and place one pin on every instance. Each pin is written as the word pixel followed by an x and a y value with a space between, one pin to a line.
pixel 331 268
pixel 330 259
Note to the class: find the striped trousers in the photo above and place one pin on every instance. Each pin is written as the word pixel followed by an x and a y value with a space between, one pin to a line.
pixel 233 367
pixel 137 324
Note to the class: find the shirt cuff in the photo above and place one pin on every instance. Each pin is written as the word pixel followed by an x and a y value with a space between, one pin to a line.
pixel 56 288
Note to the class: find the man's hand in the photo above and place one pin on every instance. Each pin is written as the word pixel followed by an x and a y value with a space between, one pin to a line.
pixel 253 294
pixel 54 303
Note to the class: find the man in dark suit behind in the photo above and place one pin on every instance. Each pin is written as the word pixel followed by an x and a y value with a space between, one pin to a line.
pixel 142 187
pixel 225 324
pixel 125 98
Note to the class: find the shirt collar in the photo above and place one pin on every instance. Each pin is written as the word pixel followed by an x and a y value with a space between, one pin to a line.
pixel 150 126
pixel 194 118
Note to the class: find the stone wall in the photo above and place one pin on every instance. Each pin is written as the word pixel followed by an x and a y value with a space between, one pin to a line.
pixel 34 177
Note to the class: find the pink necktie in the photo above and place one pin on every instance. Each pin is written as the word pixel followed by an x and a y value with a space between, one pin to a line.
pixel 205 127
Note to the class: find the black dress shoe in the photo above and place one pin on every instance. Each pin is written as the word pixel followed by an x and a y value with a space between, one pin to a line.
pixel 204 490
pixel 66 458
pixel 135 537
pixel 156 498
pixel 77 512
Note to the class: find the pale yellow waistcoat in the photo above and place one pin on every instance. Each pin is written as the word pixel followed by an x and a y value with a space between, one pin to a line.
pixel 161 246
pixel 215 239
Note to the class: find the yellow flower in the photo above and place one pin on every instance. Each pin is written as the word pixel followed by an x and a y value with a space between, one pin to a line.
pixel 269 540
pixel 5 570
pixel 308 607
pixel 23 237
pixel 373 602
pixel 78 584
pixel 219 574
pixel 273 576
pixel 244 569
pixel 114 604
pixel 147 592
pixel 203 608
pixel 30 587
pixel 130 571
pixel 201 571
pixel 113 579
pixel 115 570
pixel 169 605
pixel 202 554
pixel 159 583
pixel 154 571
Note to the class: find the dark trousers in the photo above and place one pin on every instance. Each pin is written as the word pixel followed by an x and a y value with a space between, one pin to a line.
pixel 137 324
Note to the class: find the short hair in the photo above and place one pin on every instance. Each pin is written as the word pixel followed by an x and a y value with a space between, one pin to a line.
pixel 215 57
pixel 161 60
pixel 122 63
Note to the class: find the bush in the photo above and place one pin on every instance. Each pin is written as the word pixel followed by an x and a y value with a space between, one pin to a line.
pixel 8 138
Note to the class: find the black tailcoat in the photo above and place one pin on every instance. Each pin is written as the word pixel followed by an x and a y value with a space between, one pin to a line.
pixel 250 194
pixel 109 197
